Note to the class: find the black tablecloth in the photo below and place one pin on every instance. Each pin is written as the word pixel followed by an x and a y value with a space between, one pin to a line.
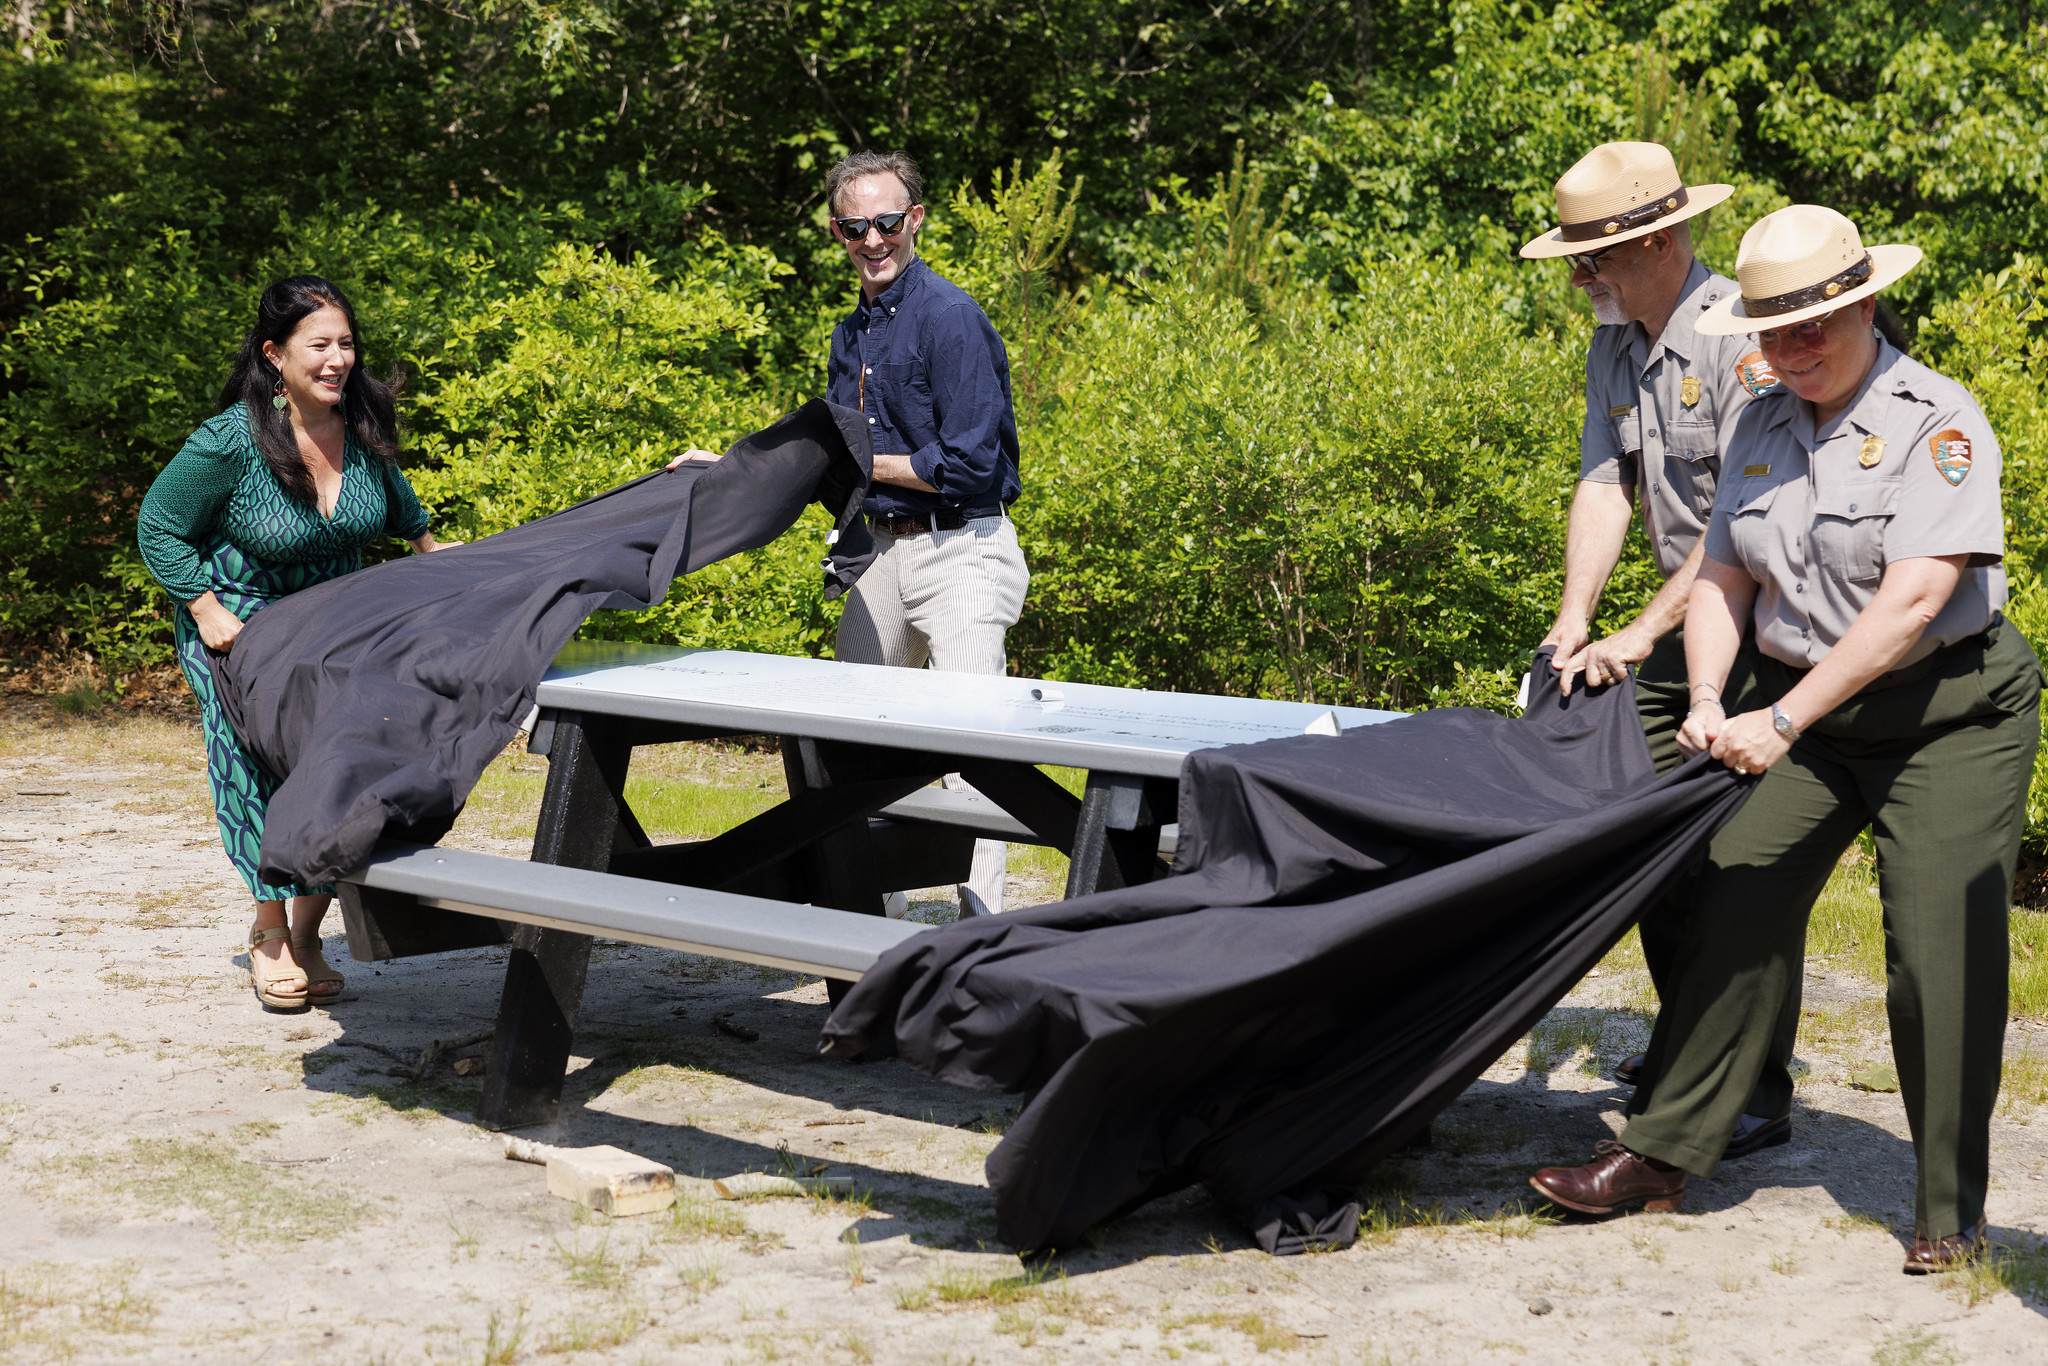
pixel 1359 926
pixel 380 697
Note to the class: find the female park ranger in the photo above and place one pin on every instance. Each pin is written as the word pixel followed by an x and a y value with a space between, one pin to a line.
pixel 1858 522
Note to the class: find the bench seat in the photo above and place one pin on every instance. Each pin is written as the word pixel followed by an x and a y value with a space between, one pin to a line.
pixel 777 934
pixel 969 810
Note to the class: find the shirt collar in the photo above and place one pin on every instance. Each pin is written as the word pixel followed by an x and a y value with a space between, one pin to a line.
pixel 1868 411
pixel 900 288
pixel 1692 301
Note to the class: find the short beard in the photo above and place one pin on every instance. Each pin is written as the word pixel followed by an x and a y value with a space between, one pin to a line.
pixel 1607 310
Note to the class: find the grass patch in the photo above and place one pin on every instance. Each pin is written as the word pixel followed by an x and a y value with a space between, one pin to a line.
pixel 1510 1221
pixel 699 1274
pixel 247 1202
pixel 1626 955
pixel 692 1219
pixel 2028 987
pixel 1913 1347
pixel 2024 1085
pixel 180 908
pixel 596 1267
pixel 595 1332
pixel 1035 1298
pixel 82 699
pixel 47 1307
pixel 1847 926
pixel 419 1102
pixel 1559 1035
pixel 1381 1221
pixel 2019 1269
pixel 1263 1335
pixel 1842 1030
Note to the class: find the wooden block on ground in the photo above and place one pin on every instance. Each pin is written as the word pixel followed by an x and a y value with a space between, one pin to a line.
pixel 610 1180
pixel 748 1184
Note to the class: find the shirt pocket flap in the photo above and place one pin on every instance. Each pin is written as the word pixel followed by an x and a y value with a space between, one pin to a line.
pixel 1749 496
pixel 1854 502
pixel 1691 440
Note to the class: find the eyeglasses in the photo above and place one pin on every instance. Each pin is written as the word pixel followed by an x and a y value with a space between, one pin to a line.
pixel 1589 261
pixel 887 224
pixel 1808 331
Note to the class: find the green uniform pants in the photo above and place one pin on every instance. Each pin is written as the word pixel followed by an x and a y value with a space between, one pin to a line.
pixel 1663 699
pixel 1935 758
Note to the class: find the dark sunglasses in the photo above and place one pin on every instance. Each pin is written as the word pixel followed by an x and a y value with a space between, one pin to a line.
pixel 887 224
pixel 1808 331
pixel 1590 261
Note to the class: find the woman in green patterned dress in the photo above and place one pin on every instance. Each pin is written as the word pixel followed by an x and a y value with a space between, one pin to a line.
pixel 279 492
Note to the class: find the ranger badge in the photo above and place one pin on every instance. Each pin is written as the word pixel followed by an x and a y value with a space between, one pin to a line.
pixel 1872 452
pixel 1951 451
pixel 1689 390
pixel 1756 375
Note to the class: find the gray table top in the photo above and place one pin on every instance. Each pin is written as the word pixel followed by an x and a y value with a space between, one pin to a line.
pixel 1025 720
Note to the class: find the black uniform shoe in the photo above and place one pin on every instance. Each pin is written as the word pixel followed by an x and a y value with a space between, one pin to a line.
pixel 1629 1070
pixel 1754 1134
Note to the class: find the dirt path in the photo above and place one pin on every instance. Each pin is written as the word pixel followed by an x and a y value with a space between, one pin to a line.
pixel 190 1179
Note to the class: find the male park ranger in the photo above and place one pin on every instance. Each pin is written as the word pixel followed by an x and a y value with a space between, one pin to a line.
pixel 1659 396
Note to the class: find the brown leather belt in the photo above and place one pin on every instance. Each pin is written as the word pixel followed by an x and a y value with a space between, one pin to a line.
pixel 945 519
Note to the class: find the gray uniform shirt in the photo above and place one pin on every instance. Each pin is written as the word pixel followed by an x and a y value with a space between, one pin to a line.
pixel 1908 469
pixel 1652 413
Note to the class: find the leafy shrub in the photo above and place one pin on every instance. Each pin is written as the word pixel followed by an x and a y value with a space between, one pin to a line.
pixel 1992 336
pixel 1361 502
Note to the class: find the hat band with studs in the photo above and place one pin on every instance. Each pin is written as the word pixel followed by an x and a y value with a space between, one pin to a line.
pixel 1811 295
pixel 1624 222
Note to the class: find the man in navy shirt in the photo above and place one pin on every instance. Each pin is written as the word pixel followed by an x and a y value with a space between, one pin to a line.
pixel 922 361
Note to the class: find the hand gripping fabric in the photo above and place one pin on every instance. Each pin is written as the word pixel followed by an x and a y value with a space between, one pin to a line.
pixel 378 698
pixel 1359 925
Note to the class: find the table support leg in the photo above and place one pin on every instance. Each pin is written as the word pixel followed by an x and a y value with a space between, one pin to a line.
pixel 1116 839
pixel 579 826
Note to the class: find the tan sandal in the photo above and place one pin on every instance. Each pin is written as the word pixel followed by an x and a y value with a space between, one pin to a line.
pixel 319 972
pixel 266 972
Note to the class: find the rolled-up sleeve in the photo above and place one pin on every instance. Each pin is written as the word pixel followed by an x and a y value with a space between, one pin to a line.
pixel 966 365
pixel 179 513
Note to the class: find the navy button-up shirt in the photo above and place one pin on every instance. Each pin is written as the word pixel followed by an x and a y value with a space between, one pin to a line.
pixel 925 365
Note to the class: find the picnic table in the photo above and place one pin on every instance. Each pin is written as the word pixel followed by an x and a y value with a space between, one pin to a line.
pixel 861 747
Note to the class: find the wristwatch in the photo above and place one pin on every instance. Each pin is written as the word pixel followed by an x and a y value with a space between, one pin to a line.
pixel 1783 724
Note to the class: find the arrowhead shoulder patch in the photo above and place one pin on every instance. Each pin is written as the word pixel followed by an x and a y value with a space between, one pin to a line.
pixel 1756 375
pixel 1951 451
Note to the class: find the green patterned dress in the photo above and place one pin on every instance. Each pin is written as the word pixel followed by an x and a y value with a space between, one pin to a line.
pixel 216 519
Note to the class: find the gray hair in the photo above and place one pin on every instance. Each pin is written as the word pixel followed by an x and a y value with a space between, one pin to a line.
pixel 853 167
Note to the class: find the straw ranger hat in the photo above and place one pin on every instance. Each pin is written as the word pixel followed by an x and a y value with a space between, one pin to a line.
pixel 1619 191
pixel 1799 263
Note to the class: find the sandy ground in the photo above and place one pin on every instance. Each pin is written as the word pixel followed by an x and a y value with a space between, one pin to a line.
pixel 184 1177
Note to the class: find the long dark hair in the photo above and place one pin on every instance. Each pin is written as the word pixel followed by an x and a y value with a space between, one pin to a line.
pixel 367 406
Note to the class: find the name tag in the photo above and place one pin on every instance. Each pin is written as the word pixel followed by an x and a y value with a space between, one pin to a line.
pixel 1753 471
pixel 1621 410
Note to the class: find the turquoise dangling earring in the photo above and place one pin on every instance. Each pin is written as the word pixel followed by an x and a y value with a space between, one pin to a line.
pixel 277 398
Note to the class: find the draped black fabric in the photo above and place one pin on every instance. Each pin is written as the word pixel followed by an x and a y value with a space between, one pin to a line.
pixel 379 697
pixel 1359 926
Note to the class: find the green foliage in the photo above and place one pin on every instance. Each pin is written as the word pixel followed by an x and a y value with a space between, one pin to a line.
pixel 1295 418
pixel 1355 504
pixel 1993 334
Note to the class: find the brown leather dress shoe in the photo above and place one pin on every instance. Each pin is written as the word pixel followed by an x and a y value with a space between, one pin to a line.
pixel 1615 1179
pixel 1630 1069
pixel 1944 1254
